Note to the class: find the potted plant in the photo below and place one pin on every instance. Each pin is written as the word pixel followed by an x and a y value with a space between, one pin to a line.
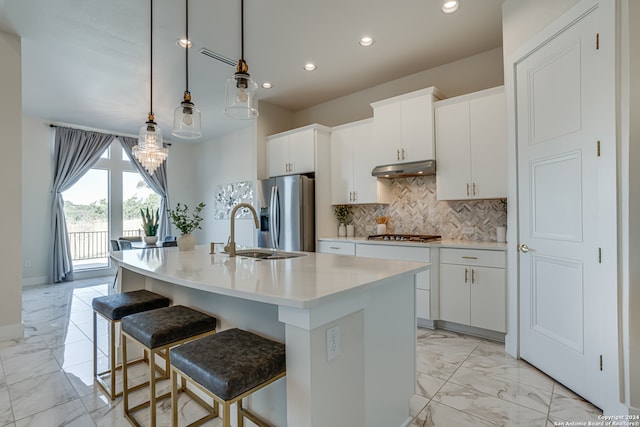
pixel 342 213
pixel 186 222
pixel 150 225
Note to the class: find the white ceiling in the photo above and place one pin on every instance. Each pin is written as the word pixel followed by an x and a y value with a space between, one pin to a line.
pixel 86 62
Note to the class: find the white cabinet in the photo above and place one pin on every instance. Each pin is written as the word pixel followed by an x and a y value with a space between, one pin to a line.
pixel 352 159
pixel 472 288
pixel 407 253
pixel 336 247
pixel 403 127
pixel 471 146
pixel 293 152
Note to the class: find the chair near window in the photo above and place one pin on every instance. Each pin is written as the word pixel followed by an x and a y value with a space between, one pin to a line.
pixel 169 241
pixel 125 245
pixel 115 246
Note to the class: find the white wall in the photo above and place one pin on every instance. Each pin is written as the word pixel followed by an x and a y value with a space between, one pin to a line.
pixel 523 19
pixel 467 75
pixel 10 187
pixel 37 171
pixel 225 160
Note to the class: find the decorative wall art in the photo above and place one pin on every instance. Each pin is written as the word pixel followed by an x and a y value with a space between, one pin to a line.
pixel 229 195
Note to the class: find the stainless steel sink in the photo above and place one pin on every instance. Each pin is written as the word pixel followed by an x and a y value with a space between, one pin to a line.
pixel 267 254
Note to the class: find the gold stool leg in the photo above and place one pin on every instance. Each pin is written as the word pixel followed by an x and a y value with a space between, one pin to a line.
pixel 174 399
pixel 112 358
pixel 239 411
pixel 226 416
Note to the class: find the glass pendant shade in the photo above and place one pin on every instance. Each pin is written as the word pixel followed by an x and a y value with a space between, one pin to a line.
pixel 240 97
pixel 150 151
pixel 187 120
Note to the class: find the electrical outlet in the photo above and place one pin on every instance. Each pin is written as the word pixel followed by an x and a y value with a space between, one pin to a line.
pixel 333 343
pixel 468 230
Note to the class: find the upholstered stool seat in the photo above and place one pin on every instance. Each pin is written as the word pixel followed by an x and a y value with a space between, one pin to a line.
pixel 113 308
pixel 228 366
pixel 156 331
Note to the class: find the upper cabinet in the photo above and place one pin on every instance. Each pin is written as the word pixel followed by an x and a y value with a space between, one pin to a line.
pixel 471 140
pixel 403 127
pixel 293 152
pixel 352 159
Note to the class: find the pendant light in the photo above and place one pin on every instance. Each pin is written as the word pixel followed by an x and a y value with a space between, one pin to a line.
pixel 240 94
pixel 186 119
pixel 150 150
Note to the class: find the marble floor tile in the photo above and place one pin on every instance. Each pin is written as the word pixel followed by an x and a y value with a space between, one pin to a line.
pixel 6 415
pixel 35 395
pixel 439 415
pixel 569 407
pixel 514 392
pixel 487 407
pixel 75 353
pixel 70 414
pixel 28 366
pixel 427 386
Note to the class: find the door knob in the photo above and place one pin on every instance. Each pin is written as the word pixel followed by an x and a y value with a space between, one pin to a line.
pixel 524 249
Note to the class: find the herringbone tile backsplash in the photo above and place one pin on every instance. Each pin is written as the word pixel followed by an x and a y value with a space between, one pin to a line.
pixel 414 209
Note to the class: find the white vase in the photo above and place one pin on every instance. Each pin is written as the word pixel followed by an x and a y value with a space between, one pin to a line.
pixel 342 230
pixel 150 240
pixel 351 230
pixel 186 242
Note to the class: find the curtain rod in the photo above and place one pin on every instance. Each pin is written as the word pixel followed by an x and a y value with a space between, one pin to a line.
pixel 54 125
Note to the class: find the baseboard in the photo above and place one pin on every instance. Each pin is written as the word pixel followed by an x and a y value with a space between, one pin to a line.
pixel 425 323
pixel 470 330
pixel 33 281
pixel 12 332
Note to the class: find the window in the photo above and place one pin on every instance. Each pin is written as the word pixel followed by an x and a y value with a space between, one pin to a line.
pixel 103 205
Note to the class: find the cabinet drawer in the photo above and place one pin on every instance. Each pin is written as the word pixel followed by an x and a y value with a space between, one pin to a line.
pixel 339 248
pixel 404 253
pixel 486 258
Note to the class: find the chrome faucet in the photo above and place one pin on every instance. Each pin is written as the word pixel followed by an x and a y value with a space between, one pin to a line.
pixel 230 248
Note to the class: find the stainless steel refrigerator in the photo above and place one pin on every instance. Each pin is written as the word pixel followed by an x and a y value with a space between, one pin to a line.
pixel 287 213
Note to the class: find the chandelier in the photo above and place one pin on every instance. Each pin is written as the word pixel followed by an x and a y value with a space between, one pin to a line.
pixel 150 151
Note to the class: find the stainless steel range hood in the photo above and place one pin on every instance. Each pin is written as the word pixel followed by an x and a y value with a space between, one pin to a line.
pixel 401 170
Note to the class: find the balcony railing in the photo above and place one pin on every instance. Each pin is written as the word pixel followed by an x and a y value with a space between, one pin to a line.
pixel 88 245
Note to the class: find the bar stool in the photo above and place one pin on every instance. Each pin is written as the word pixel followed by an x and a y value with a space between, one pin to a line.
pixel 156 331
pixel 113 308
pixel 228 367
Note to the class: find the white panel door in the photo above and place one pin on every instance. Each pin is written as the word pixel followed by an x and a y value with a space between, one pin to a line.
pixel 557 113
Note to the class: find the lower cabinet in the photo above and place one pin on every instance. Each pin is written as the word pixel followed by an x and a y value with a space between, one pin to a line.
pixel 337 247
pixel 473 288
pixel 406 253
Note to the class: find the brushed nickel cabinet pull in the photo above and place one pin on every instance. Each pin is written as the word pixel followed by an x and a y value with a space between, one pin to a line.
pixel 473 276
pixel 469 257
pixel 466 275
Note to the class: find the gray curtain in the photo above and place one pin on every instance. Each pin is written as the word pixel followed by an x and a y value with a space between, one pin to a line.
pixel 76 151
pixel 157 182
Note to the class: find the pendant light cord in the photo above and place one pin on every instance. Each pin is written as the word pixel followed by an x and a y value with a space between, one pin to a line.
pixel 242 29
pixel 186 47
pixel 151 61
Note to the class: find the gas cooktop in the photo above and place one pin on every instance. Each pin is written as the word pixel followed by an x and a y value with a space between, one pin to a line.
pixel 405 237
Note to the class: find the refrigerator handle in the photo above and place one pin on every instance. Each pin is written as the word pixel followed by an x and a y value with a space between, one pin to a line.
pixel 275 217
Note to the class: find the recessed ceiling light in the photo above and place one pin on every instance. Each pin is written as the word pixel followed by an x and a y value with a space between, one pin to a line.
pixel 309 66
pixel 450 6
pixel 267 85
pixel 366 41
pixel 184 43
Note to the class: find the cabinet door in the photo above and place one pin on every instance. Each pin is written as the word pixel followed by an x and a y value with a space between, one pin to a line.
pixel 367 188
pixel 488 119
pixel 341 166
pixel 453 161
pixel 488 298
pixel 422 304
pixel 387 120
pixel 455 293
pixel 278 155
pixel 417 129
pixel 302 151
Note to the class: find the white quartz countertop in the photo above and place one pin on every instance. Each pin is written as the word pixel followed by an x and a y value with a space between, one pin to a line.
pixel 295 282
pixel 444 243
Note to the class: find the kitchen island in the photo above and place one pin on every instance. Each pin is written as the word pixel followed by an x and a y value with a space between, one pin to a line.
pixel 348 324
